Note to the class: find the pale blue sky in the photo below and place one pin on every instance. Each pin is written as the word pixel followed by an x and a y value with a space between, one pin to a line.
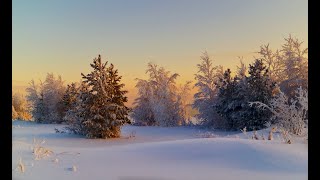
pixel 63 36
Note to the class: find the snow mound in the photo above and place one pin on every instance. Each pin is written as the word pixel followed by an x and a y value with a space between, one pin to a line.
pixel 157 153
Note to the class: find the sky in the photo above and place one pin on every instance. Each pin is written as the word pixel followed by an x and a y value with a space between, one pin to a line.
pixel 64 37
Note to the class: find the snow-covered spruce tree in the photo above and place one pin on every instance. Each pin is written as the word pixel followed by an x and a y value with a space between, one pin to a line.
pixel 21 107
pixel 260 88
pixel 226 105
pixel 205 98
pixel 235 93
pixel 292 116
pixel 158 102
pixel 101 111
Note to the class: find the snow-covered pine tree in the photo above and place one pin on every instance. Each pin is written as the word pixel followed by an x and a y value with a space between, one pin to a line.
pixel 205 99
pixel 235 93
pixel 101 109
pixel 260 88
pixel 227 105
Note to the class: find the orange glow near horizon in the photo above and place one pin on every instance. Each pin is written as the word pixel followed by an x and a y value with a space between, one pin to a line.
pixel 64 37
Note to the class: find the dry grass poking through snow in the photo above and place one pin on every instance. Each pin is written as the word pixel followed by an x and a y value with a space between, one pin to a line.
pixel 284 135
pixel 20 167
pixel 39 151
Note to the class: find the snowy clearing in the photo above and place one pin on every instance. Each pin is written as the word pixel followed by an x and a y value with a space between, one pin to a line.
pixel 155 153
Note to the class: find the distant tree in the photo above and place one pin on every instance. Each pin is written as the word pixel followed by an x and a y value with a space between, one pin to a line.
pixel 242 69
pixel 275 63
pixel 143 111
pixel 14 114
pixel 53 90
pixel 69 101
pixel 158 102
pixel 288 67
pixel 206 98
pixel 296 66
pixel 183 93
pixel 32 94
pixel 100 108
pixel 21 107
pixel 35 98
pixel 46 99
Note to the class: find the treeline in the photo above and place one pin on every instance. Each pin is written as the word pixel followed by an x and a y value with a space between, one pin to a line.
pixel 271 90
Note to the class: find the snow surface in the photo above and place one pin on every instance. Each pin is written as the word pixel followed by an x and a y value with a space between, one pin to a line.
pixel 157 153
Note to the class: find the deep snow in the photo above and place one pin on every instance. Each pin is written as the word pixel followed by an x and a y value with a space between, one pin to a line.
pixel 157 153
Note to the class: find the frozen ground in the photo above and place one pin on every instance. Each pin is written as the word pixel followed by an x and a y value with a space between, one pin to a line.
pixel 156 153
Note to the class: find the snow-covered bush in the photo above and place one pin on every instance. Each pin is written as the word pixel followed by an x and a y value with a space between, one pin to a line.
pixel 99 110
pixel 289 114
pixel 159 100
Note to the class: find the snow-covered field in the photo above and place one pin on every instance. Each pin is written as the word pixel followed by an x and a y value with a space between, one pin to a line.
pixel 156 153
